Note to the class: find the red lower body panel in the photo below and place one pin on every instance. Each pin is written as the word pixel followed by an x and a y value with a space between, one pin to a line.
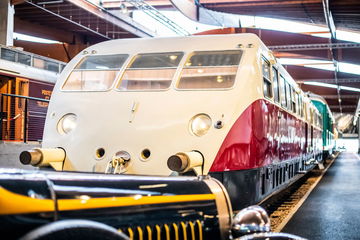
pixel 265 134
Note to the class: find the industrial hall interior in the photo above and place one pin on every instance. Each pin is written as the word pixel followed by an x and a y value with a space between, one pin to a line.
pixel 179 119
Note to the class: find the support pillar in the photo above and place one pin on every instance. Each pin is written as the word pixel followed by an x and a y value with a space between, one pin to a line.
pixel 6 23
pixel 358 132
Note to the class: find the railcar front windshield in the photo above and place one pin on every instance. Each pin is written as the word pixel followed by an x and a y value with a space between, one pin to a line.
pixel 95 73
pixel 151 71
pixel 210 70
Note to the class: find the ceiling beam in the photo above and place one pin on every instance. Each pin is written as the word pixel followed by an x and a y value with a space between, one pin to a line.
pixel 343 106
pixel 126 23
pixel 343 96
pixel 330 80
pixel 37 30
pixel 16 2
pixel 318 46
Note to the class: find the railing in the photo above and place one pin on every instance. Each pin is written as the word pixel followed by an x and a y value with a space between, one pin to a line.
pixel 22 118
pixel 30 59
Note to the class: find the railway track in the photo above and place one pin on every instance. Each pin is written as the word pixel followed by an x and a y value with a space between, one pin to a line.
pixel 284 205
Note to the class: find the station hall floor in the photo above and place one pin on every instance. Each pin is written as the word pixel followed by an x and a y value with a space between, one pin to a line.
pixel 332 211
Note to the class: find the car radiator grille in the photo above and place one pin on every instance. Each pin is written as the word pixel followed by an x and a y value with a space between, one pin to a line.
pixel 189 230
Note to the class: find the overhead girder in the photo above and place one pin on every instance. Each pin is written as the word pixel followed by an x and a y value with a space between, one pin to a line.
pixel 76 16
pixel 331 80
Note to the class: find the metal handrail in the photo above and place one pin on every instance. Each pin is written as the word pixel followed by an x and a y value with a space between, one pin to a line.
pixel 25 112
pixel 26 97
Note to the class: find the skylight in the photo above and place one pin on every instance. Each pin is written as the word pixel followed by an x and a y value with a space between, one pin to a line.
pixel 327 85
pixel 161 30
pixel 322 64
pixel 29 38
pixel 246 21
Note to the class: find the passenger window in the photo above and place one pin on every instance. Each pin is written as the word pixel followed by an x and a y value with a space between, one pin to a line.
pixel 210 70
pixel 317 120
pixel 299 105
pixel 150 71
pixel 288 96
pixel 312 120
pixel 266 78
pixel 304 113
pixel 276 84
pixel 283 91
pixel 293 99
pixel 95 73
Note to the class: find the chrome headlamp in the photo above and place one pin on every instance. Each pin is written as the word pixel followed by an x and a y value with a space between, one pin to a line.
pixel 200 124
pixel 67 123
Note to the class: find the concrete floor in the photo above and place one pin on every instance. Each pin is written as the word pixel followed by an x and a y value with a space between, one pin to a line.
pixel 332 210
pixel 10 152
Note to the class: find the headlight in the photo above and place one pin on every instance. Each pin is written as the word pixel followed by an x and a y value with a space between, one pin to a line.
pixel 200 124
pixel 67 123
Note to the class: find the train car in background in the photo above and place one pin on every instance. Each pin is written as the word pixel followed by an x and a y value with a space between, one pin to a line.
pixel 328 123
pixel 25 79
pixel 201 105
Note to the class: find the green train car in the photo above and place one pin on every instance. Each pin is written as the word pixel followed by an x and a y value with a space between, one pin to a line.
pixel 328 123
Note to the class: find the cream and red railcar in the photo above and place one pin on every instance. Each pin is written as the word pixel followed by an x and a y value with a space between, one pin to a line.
pixel 219 105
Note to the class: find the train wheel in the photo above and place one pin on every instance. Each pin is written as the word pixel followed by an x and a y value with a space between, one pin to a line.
pixel 75 229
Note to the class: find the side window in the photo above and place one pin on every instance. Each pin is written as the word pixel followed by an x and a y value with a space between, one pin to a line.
pixel 300 104
pixel 288 96
pixel 293 100
pixel 312 119
pixel 275 78
pixel 298 107
pixel 317 120
pixel 266 77
pixel 282 91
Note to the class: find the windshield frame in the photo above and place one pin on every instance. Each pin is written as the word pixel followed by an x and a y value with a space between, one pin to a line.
pixel 190 54
pixel 115 81
pixel 133 58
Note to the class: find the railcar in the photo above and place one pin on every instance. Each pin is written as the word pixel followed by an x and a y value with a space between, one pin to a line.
pixel 328 121
pixel 25 76
pixel 217 105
